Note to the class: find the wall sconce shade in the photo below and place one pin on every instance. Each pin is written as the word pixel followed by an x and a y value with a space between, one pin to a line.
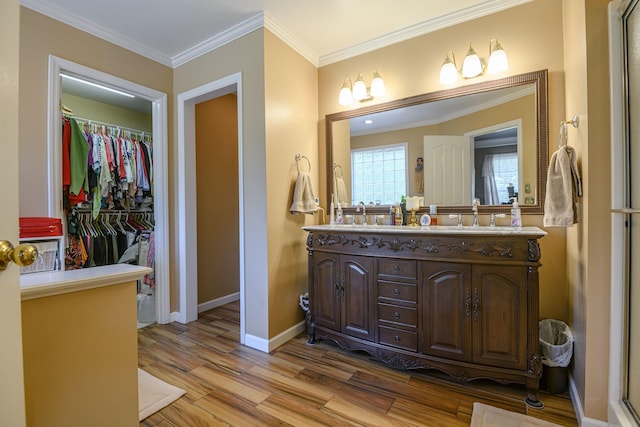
pixel 358 92
pixel 498 61
pixel 345 98
pixel 472 66
pixel 359 89
pixel 377 85
pixel 449 70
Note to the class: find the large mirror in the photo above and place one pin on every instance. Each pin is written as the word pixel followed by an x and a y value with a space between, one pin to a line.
pixel 486 141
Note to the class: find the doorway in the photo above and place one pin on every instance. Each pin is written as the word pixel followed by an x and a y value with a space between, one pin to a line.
pixel 624 366
pixel 158 100
pixel 187 215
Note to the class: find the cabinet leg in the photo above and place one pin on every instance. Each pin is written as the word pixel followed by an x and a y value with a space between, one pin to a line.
pixel 311 330
pixel 532 399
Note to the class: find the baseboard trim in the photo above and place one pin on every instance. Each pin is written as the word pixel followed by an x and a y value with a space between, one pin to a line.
pixel 577 407
pixel 267 346
pixel 218 302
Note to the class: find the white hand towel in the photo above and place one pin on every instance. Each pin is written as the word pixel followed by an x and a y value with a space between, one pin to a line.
pixel 564 186
pixel 341 192
pixel 304 200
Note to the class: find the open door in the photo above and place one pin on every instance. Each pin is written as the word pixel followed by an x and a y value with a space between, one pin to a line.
pixel 447 170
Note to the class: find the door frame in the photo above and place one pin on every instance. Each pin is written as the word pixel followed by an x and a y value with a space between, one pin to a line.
pixel 160 163
pixel 187 198
pixel 618 414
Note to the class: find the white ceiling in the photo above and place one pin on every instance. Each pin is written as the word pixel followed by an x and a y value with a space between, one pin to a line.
pixel 173 32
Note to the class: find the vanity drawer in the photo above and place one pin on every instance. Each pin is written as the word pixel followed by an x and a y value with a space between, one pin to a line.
pixel 398 338
pixel 396 314
pixel 397 291
pixel 397 268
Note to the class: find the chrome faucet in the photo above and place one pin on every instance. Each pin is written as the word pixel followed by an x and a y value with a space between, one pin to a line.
pixel 492 223
pixel 474 206
pixel 364 212
pixel 459 217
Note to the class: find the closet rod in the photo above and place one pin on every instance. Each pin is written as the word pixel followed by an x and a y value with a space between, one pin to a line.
pixel 90 122
pixel 118 211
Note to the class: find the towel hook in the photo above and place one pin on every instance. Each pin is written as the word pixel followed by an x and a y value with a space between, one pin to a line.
pixel 564 135
pixel 575 122
pixel 300 156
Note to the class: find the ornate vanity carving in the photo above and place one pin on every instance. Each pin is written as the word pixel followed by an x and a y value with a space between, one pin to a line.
pixel 462 301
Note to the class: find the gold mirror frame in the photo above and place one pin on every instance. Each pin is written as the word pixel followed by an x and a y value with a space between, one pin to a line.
pixel 538 78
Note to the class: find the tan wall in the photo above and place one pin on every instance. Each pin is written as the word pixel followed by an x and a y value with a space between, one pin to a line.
pixel 105 113
pixel 291 116
pixel 217 188
pixel 81 358
pixel 589 243
pixel 532 36
pixel 40 37
pixel 245 55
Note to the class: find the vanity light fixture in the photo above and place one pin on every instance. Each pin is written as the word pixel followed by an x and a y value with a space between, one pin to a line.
pixel 473 65
pixel 358 92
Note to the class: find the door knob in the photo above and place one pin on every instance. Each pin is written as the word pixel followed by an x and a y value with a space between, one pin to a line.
pixel 22 254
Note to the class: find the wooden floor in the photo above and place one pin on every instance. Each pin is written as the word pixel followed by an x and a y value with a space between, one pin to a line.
pixel 307 385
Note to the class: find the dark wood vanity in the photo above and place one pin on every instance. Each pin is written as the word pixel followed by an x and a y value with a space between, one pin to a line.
pixel 463 300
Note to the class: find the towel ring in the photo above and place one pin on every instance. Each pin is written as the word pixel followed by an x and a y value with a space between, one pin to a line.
pixel 300 156
pixel 336 166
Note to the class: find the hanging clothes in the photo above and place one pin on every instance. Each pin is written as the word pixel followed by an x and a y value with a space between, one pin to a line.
pixel 106 170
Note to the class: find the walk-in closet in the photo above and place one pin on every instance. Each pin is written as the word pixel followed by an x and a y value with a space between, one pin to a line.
pixel 108 182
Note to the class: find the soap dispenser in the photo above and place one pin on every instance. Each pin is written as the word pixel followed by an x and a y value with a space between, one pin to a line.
pixel 516 215
pixel 339 218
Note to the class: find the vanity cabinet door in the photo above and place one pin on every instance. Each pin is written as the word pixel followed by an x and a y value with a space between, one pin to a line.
pixel 358 303
pixel 446 310
pixel 343 294
pixel 326 301
pixel 499 298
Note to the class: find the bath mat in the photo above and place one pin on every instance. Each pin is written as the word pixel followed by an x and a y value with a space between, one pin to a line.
pixel 154 394
pixel 488 416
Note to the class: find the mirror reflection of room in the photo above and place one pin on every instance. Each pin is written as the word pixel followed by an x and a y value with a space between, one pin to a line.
pixel 479 145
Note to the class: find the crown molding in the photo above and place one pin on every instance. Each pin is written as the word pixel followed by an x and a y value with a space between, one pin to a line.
pixel 290 39
pixel 263 20
pixel 448 20
pixel 237 31
pixel 92 28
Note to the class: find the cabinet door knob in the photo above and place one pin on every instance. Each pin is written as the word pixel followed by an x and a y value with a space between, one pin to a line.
pixel 396 291
pixel 396 268
pixel 396 315
pixel 397 338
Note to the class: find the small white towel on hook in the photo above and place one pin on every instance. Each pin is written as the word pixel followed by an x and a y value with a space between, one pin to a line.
pixel 341 192
pixel 304 200
pixel 564 186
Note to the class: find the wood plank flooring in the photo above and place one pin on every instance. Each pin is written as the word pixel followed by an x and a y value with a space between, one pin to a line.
pixel 299 384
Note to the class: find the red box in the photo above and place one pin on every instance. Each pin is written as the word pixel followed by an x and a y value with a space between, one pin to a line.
pixel 40 227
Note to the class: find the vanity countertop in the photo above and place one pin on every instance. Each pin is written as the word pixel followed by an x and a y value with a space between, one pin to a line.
pixel 428 230
pixel 38 285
